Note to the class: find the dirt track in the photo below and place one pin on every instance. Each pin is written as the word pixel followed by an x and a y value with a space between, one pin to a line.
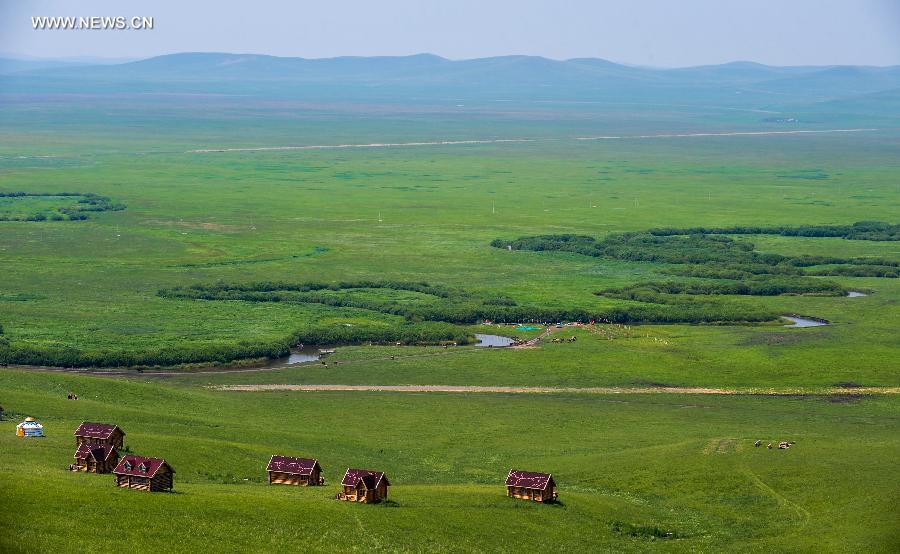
pixel 515 140
pixel 551 390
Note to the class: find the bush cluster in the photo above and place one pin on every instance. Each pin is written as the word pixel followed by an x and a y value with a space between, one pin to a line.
pixel 720 266
pixel 649 292
pixel 740 272
pixel 861 230
pixel 677 248
pixel 457 307
pixel 444 305
pixel 179 354
pixel 87 202
pixel 176 354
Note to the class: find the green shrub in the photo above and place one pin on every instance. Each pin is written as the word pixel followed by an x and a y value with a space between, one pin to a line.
pixel 87 202
pixel 861 230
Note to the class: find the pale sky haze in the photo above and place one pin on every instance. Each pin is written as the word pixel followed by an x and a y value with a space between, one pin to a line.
pixel 642 32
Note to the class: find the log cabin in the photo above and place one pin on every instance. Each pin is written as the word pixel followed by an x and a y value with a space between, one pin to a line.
pixel 95 458
pixel 363 485
pixel 99 433
pixel 528 485
pixel 146 474
pixel 287 470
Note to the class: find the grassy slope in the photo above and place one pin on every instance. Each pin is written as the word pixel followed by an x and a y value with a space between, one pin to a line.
pixel 681 463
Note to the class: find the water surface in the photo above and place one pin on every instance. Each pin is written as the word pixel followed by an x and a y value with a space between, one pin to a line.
pixel 804 322
pixel 494 341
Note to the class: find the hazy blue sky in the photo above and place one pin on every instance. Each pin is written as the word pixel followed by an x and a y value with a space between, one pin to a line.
pixel 647 32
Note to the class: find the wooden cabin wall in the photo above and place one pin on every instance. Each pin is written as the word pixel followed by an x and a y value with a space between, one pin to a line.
pixel 132 482
pixel 545 495
pixel 279 478
pixel 162 481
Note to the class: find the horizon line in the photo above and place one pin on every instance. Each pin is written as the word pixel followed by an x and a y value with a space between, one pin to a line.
pixel 102 60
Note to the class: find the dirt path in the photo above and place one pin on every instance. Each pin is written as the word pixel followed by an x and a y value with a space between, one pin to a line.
pixel 516 140
pixel 551 390
pixel 369 145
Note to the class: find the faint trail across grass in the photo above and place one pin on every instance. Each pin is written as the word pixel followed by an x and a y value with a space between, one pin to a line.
pixel 802 513
pixel 550 390
pixel 515 140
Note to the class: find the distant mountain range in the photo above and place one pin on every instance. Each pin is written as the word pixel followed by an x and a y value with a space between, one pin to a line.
pixel 515 77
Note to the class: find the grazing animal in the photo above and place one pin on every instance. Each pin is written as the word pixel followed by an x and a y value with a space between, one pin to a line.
pixel 757 443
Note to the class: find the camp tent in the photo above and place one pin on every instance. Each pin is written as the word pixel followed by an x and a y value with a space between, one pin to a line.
pixel 29 428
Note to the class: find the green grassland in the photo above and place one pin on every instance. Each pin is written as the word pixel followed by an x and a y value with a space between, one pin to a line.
pixel 681 464
pixel 628 465
pixel 314 216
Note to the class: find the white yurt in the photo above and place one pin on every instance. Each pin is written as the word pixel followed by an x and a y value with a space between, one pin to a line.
pixel 29 428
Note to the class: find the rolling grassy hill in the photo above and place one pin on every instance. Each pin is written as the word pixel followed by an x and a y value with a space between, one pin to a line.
pixel 630 470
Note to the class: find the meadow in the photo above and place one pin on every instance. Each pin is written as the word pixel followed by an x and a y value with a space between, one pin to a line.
pixel 116 289
pixel 423 214
pixel 629 468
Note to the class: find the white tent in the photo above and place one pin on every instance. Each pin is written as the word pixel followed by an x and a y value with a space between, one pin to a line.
pixel 29 428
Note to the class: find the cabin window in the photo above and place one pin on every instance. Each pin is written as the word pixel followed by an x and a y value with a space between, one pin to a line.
pixel 128 466
pixel 143 467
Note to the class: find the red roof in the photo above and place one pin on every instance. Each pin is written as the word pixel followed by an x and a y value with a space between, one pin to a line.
pixel 368 477
pixel 96 430
pixel 528 479
pixel 100 452
pixel 294 466
pixel 139 466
